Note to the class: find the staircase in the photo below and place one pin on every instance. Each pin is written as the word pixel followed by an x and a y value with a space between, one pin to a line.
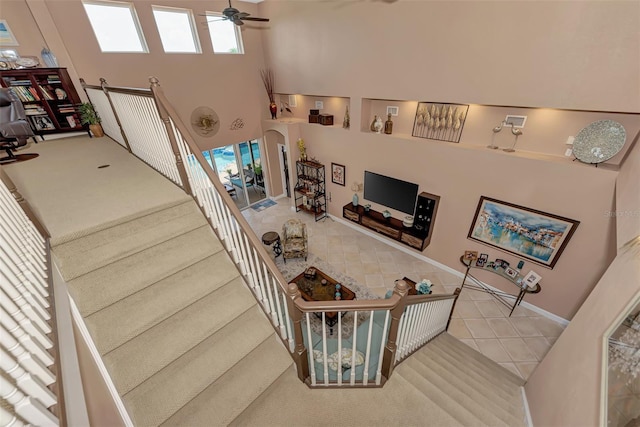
pixel 185 342
pixel 181 335
pixel 446 383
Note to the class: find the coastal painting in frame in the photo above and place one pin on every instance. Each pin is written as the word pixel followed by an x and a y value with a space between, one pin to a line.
pixel 527 233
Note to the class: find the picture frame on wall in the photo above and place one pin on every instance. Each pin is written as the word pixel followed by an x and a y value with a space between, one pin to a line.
pixel 6 35
pixel 338 174
pixel 524 232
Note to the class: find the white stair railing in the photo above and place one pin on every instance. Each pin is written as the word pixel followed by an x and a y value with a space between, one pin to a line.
pixel 109 122
pixel 25 318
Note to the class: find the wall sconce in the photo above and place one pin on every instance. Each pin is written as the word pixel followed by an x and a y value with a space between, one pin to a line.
pixel 497 129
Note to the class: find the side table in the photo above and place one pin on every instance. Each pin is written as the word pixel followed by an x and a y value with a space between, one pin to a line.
pixel 273 238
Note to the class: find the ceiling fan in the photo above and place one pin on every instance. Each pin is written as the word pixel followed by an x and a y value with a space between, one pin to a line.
pixel 234 15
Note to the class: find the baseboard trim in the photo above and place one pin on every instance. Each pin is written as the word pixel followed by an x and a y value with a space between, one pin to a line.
pixel 84 332
pixel 444 267
pixel 527 413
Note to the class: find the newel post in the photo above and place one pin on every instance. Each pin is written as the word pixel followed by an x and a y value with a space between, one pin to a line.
pixel 300 356
pixel 164 116
pixel 105 89
pixel 401 289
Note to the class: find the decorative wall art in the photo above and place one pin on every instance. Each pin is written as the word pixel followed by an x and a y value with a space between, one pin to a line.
pixel 527 233
pixel 205 121
pixel 337 174
pixel 599 141
pixel 443 122
pixel 6 36
pixel 237 124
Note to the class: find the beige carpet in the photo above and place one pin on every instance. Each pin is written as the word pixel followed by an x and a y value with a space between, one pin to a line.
pixel 72 196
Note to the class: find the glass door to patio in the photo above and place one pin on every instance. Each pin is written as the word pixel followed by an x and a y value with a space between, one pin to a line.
pixel 239 168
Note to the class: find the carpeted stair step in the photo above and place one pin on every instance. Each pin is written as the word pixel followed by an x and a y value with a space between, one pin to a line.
pixel 473 400
pixel 225 399
pixel 102 287
pixel 96 250
pixel 425 382
pixel 141 357
pixel 481 360
pixel 466 378
pixel 159 397
pixel 464 358
pixel 289 402
pixel 119 322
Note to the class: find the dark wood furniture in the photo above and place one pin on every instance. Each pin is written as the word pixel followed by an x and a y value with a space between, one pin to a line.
pixel 312 289
pixel 412 286
pixel 49 98
pixel 310 194
pixel 273 238
pixel 502 297
pixel 418 236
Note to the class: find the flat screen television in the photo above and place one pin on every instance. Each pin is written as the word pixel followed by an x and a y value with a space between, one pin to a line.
pixel 390 192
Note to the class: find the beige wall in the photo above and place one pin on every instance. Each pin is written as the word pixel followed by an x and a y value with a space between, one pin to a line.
pixel 627 212
pixel 565 389
pixel 582 55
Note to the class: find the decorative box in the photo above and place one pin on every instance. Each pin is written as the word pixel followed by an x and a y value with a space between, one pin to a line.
pixel 310 273
pixel 314 118
pixel 314 112
pixel 326 119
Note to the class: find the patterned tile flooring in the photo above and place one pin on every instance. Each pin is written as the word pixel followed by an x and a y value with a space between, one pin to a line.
pixel 518 342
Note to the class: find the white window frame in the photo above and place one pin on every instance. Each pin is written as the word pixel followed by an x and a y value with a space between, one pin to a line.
pixel 236 30
pixel 134 16
pixel 192 25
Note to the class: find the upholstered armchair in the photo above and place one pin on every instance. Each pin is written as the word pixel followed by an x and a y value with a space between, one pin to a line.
pixel 294 240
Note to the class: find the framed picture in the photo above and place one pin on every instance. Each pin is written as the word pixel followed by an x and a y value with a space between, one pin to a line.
pixel 527 233
pixel 500 263
pixel 337 174
pixel 470 255
pixel 511 272
pixel 6 36
pixel 482 260
pixel 531 279
pixel 42 123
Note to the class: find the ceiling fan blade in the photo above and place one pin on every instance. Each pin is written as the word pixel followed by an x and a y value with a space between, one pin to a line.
pixel 255 19
pixel 237 21
pixel 241 15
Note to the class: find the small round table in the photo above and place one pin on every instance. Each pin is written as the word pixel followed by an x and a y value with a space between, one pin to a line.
pixel 273 238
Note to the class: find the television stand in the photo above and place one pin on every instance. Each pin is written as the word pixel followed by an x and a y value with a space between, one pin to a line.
pixel 418 236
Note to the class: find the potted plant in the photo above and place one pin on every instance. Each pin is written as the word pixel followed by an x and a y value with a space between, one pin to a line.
pixel 89 116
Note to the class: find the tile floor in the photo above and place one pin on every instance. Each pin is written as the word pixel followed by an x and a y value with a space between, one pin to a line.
pixel 518 342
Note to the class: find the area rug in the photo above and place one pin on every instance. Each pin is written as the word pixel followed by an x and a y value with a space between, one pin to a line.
pixel 260 206
pixel 295 266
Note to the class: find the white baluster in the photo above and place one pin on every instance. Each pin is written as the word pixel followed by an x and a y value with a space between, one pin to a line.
pixel 340 348
pixel 365 376
pixel 7 419
pixel 324 350
pixel 26 359
pixel 29 326
pixel 382 346
pixel 312 360
pixel 25 339
pixel 27 383
pixel 28 408
pixel 352 378
pixel 11 287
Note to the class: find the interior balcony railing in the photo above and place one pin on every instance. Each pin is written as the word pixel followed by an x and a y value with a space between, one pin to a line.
pixel 365 346
pixel 30 382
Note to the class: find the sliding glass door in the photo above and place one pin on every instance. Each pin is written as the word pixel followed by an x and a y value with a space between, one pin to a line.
pixel 239 168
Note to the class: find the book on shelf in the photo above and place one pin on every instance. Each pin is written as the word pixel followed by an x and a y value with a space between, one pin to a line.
pixel 24 94
pixel 48 94
pixel 34 110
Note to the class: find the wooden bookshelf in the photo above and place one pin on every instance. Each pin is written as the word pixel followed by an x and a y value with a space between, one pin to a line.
pixel 49 98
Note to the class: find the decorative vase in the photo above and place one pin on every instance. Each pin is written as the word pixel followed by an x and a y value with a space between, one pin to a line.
pixel 378 125
pixel 49 58
pixel 355 199
pixel 273 108
pixel 373 124
pixel 388 125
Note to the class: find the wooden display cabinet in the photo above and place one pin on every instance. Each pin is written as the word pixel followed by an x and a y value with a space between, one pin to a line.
pixel 49 98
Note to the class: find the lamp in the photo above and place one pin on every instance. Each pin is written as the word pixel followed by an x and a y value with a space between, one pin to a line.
pixel 497 129
pixel 356 188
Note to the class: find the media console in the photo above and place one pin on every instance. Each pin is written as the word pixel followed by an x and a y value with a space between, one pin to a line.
pixel 418 236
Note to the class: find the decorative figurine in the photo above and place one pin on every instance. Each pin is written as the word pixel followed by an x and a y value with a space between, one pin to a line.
pixel 388 125
pixel 378 125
